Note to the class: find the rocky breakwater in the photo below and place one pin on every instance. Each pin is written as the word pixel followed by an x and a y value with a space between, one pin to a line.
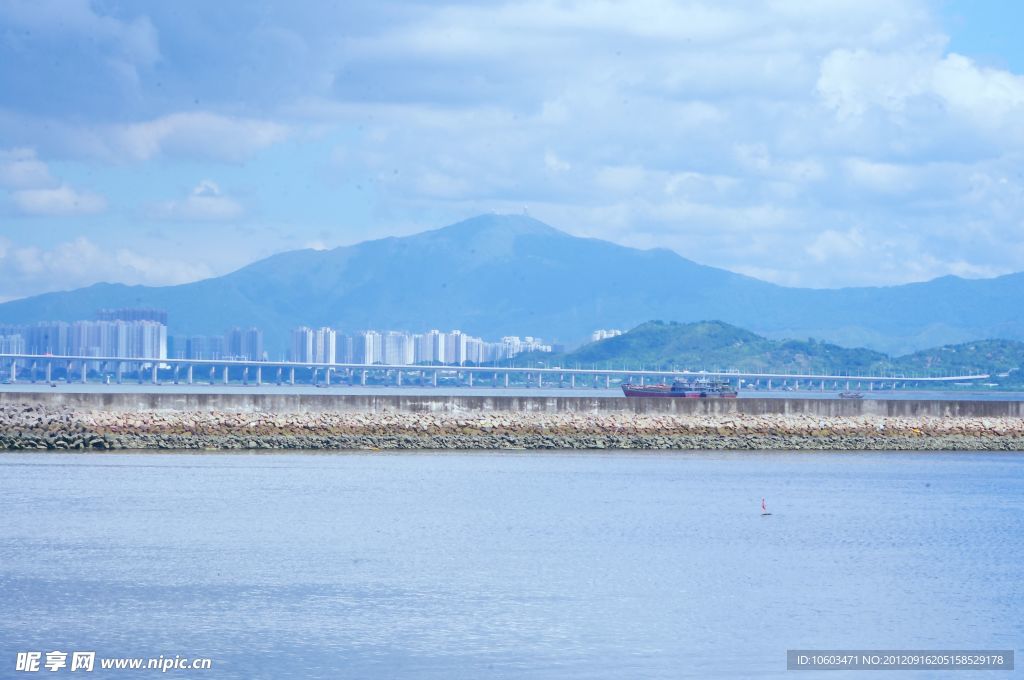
pixel 34 426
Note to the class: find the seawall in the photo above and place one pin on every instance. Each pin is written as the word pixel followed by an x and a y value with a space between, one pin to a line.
pixel 353 403
pixel 207 421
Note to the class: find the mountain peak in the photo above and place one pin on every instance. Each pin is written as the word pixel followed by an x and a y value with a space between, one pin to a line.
pixel 514 224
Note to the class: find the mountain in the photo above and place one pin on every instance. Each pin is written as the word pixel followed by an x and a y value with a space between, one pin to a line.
pixel 497 275
pixel 714 345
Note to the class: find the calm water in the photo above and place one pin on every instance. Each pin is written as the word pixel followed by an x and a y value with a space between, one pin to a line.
pixel 508 566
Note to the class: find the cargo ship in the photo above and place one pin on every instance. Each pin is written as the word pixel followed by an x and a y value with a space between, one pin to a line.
pixel 697 389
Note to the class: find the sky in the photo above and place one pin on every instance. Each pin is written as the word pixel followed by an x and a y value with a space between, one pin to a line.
pixel 807 143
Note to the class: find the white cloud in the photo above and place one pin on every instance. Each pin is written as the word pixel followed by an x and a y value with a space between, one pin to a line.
pixel 555 164
pixel 924 86
pixel 196 135
pixel 206 202
pixel 80 262
pixel 621 179
pixel 798 138
pixel 885 178
pixel 61 201
pixel 134 41
pixel 21 169
pixel 34 191
pixel 832 245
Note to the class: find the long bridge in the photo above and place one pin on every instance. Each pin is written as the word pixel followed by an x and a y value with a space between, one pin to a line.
pixel 46 368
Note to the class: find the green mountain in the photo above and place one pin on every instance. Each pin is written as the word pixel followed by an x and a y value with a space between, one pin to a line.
pixel 497 275
pixel 714 345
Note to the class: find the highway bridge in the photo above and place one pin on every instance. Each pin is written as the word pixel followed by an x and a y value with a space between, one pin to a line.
pixel 32 368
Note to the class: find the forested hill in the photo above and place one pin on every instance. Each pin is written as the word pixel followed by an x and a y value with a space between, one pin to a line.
pixel 714 345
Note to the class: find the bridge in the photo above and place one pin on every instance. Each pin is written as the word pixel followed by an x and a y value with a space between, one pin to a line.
pixel 46 368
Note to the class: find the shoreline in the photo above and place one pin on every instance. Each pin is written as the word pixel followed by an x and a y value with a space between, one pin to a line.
pixel 42 427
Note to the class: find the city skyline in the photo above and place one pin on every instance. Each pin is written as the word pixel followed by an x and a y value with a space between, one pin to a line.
pixel 144 334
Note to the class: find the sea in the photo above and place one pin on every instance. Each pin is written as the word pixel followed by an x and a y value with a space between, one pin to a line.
pixel 508 565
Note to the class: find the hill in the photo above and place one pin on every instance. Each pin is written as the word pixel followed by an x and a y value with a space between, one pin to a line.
pixel 497 275
pixel 714 345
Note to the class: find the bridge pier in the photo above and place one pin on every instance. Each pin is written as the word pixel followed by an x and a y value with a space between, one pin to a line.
pixel 469 376
pixel 225 377
pixel 188 374
pixel 85 372
pixel 362 377
pixel 291 376
pixel 398 377
pixel 434 378
pixel 49 372
pixel 259 376
pixel 14 371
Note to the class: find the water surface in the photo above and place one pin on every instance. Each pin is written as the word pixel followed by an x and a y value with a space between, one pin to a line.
pixel 483 565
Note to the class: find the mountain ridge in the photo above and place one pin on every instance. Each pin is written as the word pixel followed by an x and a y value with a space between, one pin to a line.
pixel 495 275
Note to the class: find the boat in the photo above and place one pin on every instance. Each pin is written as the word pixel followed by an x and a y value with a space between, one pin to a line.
pixel 696 389
pixel 851 395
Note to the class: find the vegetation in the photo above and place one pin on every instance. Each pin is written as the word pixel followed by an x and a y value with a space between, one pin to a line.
pixel 714 345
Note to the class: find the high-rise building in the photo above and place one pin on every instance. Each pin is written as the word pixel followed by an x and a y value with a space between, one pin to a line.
pixel 367 347
pixel 344 351
pixel 13 343
pixel 245 344
pixel 216 347
pixel 400 348
pixel 318 346
pixel 142 339
pixel 455 348
pixel 396 348
pixel 301 346
pixel 198 347
pixel 133 314
pixel 433 348
pixel 177 346
pixel 325 345
pixel 47 337
pixel 476 351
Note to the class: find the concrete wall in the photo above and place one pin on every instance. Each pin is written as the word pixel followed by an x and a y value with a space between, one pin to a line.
pixel 301 403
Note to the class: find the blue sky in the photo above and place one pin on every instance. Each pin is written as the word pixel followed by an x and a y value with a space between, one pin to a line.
pixel 854 142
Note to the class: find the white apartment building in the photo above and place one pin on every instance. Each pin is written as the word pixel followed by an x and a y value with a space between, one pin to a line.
pixel 601 334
